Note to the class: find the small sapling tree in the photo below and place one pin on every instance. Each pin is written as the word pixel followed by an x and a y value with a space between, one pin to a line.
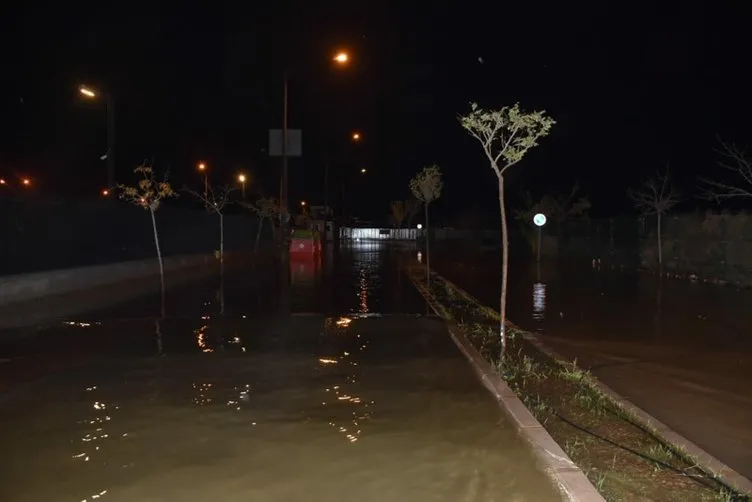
pixel 505 135
pixel 398 211
pixel 266 208
pixel 655 196
pixel 426 187
pixel 149 194
pixel 215 199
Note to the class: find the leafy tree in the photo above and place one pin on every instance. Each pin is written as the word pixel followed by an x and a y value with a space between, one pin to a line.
pixel 505 135
pixel 426 187
pixel 149 194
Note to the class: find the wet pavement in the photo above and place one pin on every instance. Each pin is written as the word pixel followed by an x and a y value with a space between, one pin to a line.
pixel 679 350
pixel 353 397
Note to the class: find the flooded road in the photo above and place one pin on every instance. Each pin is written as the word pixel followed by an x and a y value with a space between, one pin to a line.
pixel 680 350
pixel 336 403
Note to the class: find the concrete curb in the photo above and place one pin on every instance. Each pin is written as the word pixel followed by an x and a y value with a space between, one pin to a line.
pixel 704 459
pixel 36 285
pixel 565 474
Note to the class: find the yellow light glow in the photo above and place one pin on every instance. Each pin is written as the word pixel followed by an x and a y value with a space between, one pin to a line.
pixel 363 171
pixel 87 92
pixel 201 166
pixel 341 58
pixel 105 192
pixel 26 181
pixel 241 178
pixel 356 136
pixel 343 322
pixel 2 181
pixel 303 203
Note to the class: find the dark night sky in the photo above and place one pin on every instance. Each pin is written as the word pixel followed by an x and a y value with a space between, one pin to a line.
pixel 632 87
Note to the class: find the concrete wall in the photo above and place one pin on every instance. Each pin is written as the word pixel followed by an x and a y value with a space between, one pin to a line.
pixel 38 235
pixel 24 287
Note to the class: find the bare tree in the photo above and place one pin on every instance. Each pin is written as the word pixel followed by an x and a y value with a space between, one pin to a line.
pixel 655 196
pixel 215 199
pixel 426 187
pixel 266 208
pixel 735 160
pixel 505 135
pixel 412 206
pixel 398 212
pixel 149 194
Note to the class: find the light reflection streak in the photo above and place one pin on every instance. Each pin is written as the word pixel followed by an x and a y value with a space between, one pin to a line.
pixel 202 339
pixel 539 301
pixel 95 430
pixel 348 409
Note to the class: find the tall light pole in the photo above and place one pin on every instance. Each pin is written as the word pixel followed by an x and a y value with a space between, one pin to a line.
pixel 355 137
pixel 341 58
pixel 202 168
pixel 110 155
pixel 242 179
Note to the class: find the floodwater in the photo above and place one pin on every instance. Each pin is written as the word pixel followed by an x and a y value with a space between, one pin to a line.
pixel 681 350
pixel 371 403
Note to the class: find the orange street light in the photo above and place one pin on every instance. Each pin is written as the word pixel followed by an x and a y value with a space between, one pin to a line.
pixel 26 182
pixel 89 93
pixel 363 171
pixel 2 181
pixel 241 179
pixel 341 58
pixel 303 203
pixel 202 168
pixel 105 192
pixel 356 136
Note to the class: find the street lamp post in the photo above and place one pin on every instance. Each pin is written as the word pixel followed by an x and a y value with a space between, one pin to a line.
pixel 110 155
pixel 242 179
pixel 202 168
pixel 341 58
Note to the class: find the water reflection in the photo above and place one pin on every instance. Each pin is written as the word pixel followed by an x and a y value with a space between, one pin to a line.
pixel 539 301
pixel 96 426
pixel 349 409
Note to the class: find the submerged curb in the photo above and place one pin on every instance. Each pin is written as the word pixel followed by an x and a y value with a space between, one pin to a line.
pixel 704 459
pixel 566 475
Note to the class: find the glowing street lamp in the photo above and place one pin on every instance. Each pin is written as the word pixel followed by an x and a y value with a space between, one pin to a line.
pixel 341 58
pixel 87 92
pixel 90 93
pixel 363 171
pixel 303 203
pixel 26 182
pixel 105 193
pixel 2 181
pixel 202 168
pixel 356 136
pixel 241 179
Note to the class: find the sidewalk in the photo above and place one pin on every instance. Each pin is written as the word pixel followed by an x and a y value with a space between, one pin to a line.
pixel 691 375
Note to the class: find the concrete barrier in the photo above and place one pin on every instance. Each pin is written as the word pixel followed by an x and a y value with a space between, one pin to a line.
pixel 24 287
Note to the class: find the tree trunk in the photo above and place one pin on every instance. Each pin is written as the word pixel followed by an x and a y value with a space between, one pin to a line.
pixel 258 233
pixel 504 268
pixel 159 258
pixel 660 246
pixel 428 252
pixel 221 264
